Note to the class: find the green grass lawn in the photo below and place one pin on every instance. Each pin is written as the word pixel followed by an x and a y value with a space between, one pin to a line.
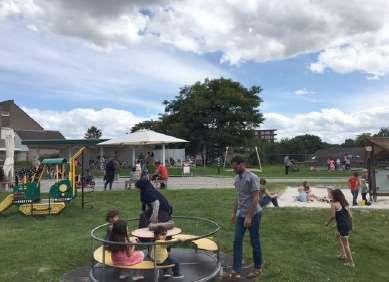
pixel 296 245
pixel 268 171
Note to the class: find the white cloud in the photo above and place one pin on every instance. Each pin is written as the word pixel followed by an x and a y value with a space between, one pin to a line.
pixel 64 68
pixel 332 125
pixel 304 92
pixel 348 35
pixel 367 53
pixel 75 122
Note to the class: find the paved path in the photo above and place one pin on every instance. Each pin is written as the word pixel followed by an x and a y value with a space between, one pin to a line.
pixel 198 182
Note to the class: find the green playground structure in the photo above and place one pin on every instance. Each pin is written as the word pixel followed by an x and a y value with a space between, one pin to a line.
pixel 27 194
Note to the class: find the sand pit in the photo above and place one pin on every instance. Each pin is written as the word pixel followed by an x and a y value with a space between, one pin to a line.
pixel 288 199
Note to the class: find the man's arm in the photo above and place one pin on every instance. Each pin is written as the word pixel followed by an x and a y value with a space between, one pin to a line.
pixel 252 210
pixel 154 216
pixel 234 210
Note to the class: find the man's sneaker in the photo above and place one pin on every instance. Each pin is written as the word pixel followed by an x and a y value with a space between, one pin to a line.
pixel 178 276
pixel 166 275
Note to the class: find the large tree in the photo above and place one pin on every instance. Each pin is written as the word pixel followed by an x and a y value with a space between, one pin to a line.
pixel 212 115
pixel 93 133
pixel 384 132
pixel 362 140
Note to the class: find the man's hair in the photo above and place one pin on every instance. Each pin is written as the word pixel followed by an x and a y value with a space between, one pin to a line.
pixel 157 163
pixel 111 214
pixel 355 174
pixel 262 181
pixel 237 160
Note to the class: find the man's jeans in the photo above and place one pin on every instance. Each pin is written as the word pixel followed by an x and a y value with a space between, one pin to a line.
pixel 255 242
pixel 355 196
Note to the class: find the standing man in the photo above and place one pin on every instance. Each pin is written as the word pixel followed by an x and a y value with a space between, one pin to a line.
pixel 246 214
pixel 287 164
pixel 109 174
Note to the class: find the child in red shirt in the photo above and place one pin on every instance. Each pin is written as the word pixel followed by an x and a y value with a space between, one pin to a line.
pixel 354 184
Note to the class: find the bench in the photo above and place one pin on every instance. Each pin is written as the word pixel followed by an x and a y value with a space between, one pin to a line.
pixel 144 265
pixel 128 183
pixel 204 244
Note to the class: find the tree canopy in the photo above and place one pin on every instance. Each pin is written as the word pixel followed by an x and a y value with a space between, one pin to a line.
pixel 212 115
pixel 93 133
pixel 384 132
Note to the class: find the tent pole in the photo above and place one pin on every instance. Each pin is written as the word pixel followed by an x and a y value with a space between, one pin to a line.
pixel 163 154
pixel 259 159
pixel 133 156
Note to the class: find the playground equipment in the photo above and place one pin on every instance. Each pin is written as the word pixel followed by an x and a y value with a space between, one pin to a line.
pixel 196 250
pixel 378 175
pixel 27 194
pixel 243 151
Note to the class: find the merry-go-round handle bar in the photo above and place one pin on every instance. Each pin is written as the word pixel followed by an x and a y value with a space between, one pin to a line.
pixel 172 242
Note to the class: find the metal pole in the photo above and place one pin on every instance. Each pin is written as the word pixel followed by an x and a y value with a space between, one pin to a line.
pixel 133 156
pixel 225 158
pixel 259 159
pixel 163 154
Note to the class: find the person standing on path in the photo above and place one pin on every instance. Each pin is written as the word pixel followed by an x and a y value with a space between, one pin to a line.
pixel 246 214
pixel 109 174
pixel 287 164
pixel 354 184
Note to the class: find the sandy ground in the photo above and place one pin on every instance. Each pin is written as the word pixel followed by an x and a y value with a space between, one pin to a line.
pixel 288 199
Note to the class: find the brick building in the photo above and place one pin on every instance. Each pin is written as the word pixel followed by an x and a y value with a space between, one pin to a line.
pixel 25 128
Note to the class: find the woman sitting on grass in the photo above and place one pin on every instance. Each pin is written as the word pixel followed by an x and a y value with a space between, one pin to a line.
pixel 265 196
pixel 122 254
pixel 340 211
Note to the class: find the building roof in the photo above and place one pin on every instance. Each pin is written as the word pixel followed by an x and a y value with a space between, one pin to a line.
pixel 338 152
pixel 14 117
pixel 63 142
pixel 381 142
pixel 40 135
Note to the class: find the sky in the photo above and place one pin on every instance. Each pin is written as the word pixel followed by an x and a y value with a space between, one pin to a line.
pixel 71 64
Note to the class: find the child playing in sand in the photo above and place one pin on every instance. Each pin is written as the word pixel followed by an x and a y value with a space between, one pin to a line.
pixel 160 254
pixel 265 196
pixel 340 211
pixel 354 184
pixel 310 196
pixel 302 195
pixel 123 254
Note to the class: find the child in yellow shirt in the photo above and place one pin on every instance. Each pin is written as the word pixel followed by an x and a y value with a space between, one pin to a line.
pixel 160 254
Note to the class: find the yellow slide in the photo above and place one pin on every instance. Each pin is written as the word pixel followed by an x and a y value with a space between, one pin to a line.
pixel 6 203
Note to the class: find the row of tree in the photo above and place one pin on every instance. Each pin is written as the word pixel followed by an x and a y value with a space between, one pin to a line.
pixel 212 115
pixel 220 112
pixel 362 139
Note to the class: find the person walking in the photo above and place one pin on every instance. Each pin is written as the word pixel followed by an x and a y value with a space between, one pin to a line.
pixel 246 214
pixel 109 174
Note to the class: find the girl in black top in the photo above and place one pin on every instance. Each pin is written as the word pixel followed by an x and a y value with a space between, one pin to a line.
pixel 340 211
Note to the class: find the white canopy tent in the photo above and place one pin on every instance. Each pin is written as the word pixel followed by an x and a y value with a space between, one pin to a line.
pixel 144 137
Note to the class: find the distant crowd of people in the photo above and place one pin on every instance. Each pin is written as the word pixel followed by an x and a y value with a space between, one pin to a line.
pixel 338 164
